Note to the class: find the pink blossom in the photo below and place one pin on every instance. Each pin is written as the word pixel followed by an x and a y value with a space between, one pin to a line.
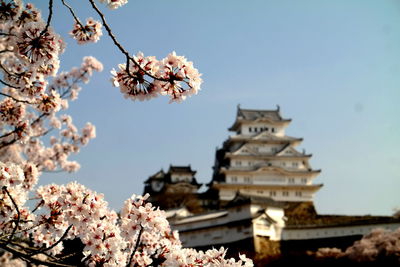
pixel 91 32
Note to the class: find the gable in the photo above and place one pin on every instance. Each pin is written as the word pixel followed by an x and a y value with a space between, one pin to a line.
pixel 289 151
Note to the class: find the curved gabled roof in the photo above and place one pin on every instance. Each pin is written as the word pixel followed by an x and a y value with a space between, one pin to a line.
pixel 257 115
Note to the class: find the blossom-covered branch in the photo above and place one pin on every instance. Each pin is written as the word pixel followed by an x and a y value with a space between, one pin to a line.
pixel 31 101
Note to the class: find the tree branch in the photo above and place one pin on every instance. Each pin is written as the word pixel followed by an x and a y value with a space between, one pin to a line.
pixel 120 47
pixel 9 85
pixel 54 245
pixel 73 14
pixel 22 255
pixel 18 215
pixel 16 99
pixel 136 246
pixel 48 18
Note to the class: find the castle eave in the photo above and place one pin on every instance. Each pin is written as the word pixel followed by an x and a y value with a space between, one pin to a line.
pixel 312 188
pixel 238 122
pixel 261 156
pixel 266 169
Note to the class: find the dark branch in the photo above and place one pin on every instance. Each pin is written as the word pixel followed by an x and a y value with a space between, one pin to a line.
pixel 55 244
pixel 22 255
pixel 9 85
pixel 48 17
pixel 120 47
pixel 72 13
pixel 18 216
pixel 16 99
pixel 136 246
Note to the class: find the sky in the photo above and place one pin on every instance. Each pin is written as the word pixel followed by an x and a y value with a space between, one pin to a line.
pixel 332 67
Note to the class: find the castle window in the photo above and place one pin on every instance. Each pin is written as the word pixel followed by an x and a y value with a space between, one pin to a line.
pixel 285 193
pixel 260 192
pixel 250 129
pixel 298 194
pixel 273 130
pixel 255 129
pixel 295 164
pixel 272 193
pixel 238 163
pixel 291 180
pixel 304 180
pixel 234 179
pixel 247 180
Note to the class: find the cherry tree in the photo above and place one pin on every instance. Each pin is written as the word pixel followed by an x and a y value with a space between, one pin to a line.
pixel 35 138
pixel 380 245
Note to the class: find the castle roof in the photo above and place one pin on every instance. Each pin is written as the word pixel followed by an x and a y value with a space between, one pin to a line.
pixel 166 176
pixel 241 199
pixel 243 115
pixel 181 169
pixel 160 175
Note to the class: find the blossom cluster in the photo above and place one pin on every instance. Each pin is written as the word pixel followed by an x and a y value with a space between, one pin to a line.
pixel 114 4
pixel 34 95
pixel 91 32
pixel 140 236
pixel 147 77
pixel 15 184
pixel 380 243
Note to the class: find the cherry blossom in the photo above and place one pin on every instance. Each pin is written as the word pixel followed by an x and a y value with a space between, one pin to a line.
pixel 91 32
pixel 114 4
pixel 36 138
pixel 36 45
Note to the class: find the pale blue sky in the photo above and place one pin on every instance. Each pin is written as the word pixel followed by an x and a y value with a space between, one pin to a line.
pixel 332 66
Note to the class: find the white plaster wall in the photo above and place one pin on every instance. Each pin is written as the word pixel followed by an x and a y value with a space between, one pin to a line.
pixel 184 177
pixel 229 194
pixel 278 130
pixel 326 232
pixel 216 235
pixel 235 214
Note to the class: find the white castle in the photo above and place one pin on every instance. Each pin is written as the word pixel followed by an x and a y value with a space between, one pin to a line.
pixel 260 198
pixel 261 160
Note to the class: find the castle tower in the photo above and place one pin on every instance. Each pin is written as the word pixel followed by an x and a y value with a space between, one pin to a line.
pixel 261 160
pixel 173 189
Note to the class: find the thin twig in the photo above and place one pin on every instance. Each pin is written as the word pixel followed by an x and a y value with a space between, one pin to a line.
pixel 72 13
pixel 48 18
pixel 6 34
pixel 55 244
pixel 7 84
pixel 4 144
pixel 6 71
pixel 136 246
pixel 18 216
pixel 22 255
pixel 16 99
pixel 24 230
pixel 120 47
pixel 38 206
